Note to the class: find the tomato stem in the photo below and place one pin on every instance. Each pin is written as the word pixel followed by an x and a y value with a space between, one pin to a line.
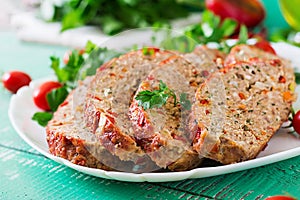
pixel 293 112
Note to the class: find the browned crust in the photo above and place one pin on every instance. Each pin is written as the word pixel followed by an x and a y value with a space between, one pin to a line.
pixel 72 149
pixel 189 160
pixel 76 149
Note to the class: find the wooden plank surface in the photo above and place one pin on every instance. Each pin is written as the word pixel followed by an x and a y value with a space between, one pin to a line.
pixel 26 174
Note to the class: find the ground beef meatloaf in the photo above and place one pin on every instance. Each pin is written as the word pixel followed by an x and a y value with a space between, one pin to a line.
pixel 238 101
pixel 249 53
pixel 109 97
pixel 162 132
pixel 68 137
pixel 239 108
pixel 111 92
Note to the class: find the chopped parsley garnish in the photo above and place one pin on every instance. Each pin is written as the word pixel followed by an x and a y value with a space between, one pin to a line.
pixel 158 98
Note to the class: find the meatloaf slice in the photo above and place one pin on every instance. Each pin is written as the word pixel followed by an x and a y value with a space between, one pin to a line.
pixel 108 99
pixel 68 138
pixel 245 52
pixel 206 59
pixel 162 132
pixel 251 53
pixel 239 108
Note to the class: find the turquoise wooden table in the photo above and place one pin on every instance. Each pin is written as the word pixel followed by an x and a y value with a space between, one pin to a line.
pixel 26 174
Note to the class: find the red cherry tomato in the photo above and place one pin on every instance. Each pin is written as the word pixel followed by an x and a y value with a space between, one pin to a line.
pixel 280 197
pixel 265 46
pixel 40 94
pixel 296 122
pixel 248 12
pixel 14 80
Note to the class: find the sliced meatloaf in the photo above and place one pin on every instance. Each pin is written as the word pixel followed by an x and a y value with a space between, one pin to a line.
pixel 68 138
pixel 239 108
pixel 245 52
pixel 109 96
pixel 251 53
pixel 162 132
pixel 206 59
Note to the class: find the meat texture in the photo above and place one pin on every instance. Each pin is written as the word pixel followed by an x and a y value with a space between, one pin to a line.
pixel 162 132
pixel 68 137
pixel 239 108
pixel 222 107
pixel 108 99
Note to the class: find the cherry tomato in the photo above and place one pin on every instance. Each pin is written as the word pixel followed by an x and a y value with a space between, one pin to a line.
pixel 248 12
pixel 296 122
pixel 14 80
pixel 280 197
pixel 265 46
pixel 40 94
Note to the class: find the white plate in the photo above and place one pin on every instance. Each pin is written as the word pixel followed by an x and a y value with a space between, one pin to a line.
pixel 282 146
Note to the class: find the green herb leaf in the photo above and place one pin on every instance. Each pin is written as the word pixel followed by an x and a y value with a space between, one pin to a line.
pixel 55 65
pixel 69 73
pixel 56 97
pixel 115 16
pixel 162 86
pixel 97 57
pixel 184 102
pixel 111 25
pixel 42 118
pixel 243 35
pixel 148 51
pixel 72 19
pixel 156 98
pixel 297 77
pixel 78 67
pixel 89 47
pixel 72 68
pixel 211 28
pixel 228 27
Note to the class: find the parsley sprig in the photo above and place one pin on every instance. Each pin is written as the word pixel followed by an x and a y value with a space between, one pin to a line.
pixel 42 117
pixel 78 67
pixel 115 16
pixel 158 98
pixel 211 29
